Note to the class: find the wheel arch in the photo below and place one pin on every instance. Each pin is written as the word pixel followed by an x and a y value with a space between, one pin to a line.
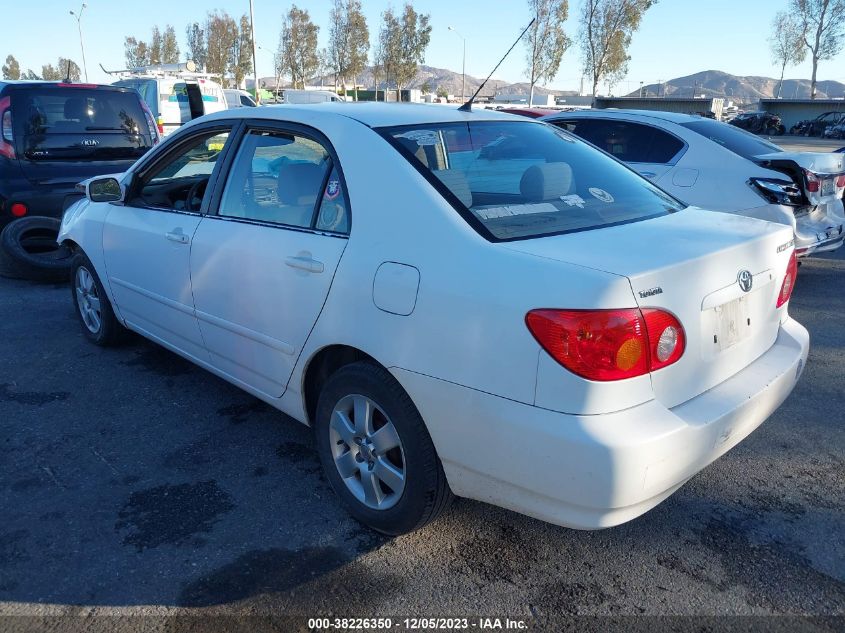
pixel 322 364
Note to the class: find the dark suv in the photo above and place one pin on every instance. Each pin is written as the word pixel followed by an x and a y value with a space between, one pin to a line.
pixel 54 135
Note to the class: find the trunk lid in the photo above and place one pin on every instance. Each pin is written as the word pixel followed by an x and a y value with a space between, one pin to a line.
pixel 689 263
pixel 802 167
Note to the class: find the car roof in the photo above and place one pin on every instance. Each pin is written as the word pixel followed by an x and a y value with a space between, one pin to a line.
pixel 371 113
pixel 18 83
pixel 672 117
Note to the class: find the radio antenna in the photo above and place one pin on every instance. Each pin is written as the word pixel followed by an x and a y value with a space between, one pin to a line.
pixel 467 107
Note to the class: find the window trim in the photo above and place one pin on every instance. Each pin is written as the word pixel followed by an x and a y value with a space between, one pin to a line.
pixel 283 127
pixel 671 163
pixel 176 146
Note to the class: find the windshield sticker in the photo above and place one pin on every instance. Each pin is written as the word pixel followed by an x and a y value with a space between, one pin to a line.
pixel 574 200
pixel 422 137
pixel 332 190
pixel 601 194
pixel 492 213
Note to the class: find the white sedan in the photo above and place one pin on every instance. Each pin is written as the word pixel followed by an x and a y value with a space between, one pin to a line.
pixel 458 303
pixel 723 168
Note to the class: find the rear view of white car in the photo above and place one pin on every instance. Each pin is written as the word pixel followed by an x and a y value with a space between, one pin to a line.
pixel 486 306
pixel 723 168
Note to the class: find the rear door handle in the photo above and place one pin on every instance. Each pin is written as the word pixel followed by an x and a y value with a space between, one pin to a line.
pixel 305 263
pixel 177 236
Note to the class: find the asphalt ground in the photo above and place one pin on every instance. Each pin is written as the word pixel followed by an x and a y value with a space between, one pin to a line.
pixel 134 483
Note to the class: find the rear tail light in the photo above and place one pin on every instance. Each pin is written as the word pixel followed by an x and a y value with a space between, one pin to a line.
pixel 814 183
pixel 608 344
pixel 151 125
pixel 788 281
pixel 778 191
pixel 7 135
pixel 840 181
pixel 18 209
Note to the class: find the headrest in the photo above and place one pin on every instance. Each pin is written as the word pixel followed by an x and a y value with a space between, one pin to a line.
pixel 546 181
pixel 299 180
pixel 76 109
pixel 456 181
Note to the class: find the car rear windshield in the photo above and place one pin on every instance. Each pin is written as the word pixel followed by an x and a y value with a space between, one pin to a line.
pixel 72 123
pixel 731 137
pixel 521 179
pixel 148 88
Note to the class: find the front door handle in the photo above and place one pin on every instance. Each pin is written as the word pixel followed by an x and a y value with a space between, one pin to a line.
pixel 305 263
pixel 177 236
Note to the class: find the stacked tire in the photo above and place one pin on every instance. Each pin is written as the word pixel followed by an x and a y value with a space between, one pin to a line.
pixel 28 250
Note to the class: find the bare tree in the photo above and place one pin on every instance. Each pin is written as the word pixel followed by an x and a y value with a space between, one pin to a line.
pixel 546 42
pixel 786 43
pixel 298 46
pixel 822 24
pixel 606 29
pixel 169 46
pixel 195 35
pixel 349 41
pixel 337 49
pixel 389 48
pixel 11 69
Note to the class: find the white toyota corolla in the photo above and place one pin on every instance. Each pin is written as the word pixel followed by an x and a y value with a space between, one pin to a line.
pixel 463 303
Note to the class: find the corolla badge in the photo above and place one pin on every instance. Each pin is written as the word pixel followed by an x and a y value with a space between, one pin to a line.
pixel 745 279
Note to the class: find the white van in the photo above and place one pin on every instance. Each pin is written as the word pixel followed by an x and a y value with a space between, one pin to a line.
pixel 310 96
pixel 175 99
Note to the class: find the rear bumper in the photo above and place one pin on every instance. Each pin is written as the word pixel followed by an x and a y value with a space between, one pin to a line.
pixel 49 200
pixel 592 472
pixel 820 230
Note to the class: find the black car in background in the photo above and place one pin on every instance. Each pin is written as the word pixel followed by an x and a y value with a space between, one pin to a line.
pixel 764 123
pixel 54 135
pixel 817 126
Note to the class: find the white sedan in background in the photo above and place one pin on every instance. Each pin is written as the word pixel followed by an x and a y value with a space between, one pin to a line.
pixel 723 168
pixel 462 303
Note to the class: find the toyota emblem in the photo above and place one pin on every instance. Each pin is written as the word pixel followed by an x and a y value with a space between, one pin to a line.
pixel 745 279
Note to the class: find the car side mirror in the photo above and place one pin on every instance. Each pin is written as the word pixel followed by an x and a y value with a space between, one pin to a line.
pixel 107 189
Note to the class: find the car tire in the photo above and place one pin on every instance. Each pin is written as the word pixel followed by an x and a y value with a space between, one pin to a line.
pixel 31 252
pixel 99 323
pixel 372 401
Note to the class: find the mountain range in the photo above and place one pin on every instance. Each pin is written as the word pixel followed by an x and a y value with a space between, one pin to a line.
pixel 712 83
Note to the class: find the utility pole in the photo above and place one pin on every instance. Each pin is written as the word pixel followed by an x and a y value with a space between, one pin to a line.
pixel 463 65
pixel 254 51
pixel 78 17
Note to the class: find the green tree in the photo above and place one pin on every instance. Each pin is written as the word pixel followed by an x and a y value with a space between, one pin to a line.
pixel 547 41
pixel 156 45
pixel 786 43
pixel 442 92
pixel 69 69
pixel 242 51
pixel 414 36
pixel 195 35
pixel 426 87
pixel 50 73
pixel 388 50
pixel 822 24
pixel 30 75
pixel 169 46
pixel 606 29
pixel 136 52
pixel 221 39
pixel 349 41
pixel 11 69
pixel 298 46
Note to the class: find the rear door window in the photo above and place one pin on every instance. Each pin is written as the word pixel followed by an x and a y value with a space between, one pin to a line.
pixel 627 141
pixel 73 123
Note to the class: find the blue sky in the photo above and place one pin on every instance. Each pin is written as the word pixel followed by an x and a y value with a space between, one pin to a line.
pixel 677 37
